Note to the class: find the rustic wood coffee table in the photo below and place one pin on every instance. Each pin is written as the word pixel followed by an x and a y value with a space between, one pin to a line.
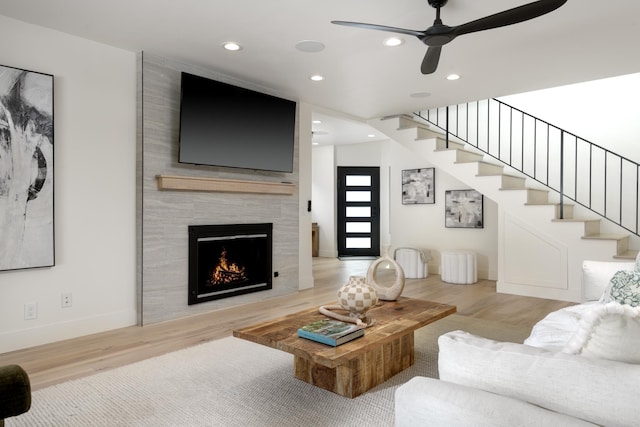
pixel 350 369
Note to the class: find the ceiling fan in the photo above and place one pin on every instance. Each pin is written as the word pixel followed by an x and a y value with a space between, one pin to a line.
pixel 440 34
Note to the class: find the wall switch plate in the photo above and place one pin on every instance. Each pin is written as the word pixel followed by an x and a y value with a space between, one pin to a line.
pixel 66 300
pixel 31 311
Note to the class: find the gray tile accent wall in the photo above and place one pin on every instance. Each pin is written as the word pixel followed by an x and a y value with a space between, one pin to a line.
pixel 163 217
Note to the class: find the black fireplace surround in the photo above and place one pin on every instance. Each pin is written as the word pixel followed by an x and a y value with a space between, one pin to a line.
pixel 228 260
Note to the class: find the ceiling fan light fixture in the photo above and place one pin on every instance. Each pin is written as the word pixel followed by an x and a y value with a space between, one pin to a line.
pixel 453 76
pixel 231 46
pixel 393 41
pixel 317 78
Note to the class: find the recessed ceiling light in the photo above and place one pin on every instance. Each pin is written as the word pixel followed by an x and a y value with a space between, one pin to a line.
pixel 315 143
pixel 317 78
pixel 453 77
pixel 393 41
pixel 310 46
pixel 233 46
pixel 420 95
pixel 371 135
pixel 316 122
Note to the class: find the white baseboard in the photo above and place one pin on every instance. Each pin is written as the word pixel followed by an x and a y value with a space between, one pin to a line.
pixel 53 332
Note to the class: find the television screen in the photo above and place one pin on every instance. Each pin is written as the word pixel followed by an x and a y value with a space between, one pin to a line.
pixel 225 125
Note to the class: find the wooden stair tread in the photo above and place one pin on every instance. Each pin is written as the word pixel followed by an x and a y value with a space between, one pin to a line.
pixel 501 174
pixel 548 204
pixel 575 220
pixel 605 237
pixel 630 254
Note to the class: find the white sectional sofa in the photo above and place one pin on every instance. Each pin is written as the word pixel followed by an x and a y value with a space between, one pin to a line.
pixel 579 367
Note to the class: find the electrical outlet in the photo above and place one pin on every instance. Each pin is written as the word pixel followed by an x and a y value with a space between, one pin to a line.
pixel 31 311
pixel 66 300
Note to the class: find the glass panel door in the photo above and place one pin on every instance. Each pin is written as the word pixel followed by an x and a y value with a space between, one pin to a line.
pixel 358 211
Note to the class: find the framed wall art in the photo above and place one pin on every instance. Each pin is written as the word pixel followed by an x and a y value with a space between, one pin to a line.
pixel 463 209
pixel 26 169
pixel 418 186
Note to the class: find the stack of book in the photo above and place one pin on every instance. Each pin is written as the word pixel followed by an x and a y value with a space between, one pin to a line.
pixel 331 332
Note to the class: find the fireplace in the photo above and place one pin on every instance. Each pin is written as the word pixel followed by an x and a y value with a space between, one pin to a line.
pixel 228 260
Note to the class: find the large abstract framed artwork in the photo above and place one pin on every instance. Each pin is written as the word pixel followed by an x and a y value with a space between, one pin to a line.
pixel 463 209
pixel 418 186
pixel 26 169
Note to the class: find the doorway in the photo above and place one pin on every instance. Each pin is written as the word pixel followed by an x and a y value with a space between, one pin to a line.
pixel 358 226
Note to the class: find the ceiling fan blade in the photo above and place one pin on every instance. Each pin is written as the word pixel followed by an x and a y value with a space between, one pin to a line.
pixel 431 59
pixel 380 28
pixel 509 17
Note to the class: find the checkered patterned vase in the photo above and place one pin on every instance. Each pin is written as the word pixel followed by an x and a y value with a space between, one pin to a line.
pixel 357 296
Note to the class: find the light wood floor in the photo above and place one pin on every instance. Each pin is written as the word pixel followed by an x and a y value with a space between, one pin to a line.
pixel 58 362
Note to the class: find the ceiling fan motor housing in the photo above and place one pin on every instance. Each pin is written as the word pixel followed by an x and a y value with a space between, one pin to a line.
pixel 437 3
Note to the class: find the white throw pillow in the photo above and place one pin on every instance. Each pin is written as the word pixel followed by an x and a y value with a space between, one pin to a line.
pixel 608 331
pixel 597 274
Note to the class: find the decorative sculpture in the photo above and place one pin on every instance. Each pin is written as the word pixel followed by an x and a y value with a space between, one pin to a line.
pixel 386 293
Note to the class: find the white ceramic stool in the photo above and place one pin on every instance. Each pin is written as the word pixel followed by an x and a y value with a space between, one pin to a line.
pixel 413 262
pixel 458 267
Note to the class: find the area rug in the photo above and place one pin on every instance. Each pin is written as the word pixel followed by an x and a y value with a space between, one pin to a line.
pixel 233 382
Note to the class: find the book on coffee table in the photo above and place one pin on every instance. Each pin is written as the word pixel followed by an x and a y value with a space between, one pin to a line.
pixel 331 332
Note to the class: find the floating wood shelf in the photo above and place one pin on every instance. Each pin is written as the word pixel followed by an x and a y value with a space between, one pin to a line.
pixel 191 183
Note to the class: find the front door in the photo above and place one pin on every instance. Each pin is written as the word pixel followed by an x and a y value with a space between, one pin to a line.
pixel 358 211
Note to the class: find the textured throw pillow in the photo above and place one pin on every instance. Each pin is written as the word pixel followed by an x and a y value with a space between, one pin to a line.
pixel 624 288
pixel 597 274
pixel 608 331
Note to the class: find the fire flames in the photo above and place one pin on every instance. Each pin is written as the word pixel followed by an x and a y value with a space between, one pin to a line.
pixel 225 272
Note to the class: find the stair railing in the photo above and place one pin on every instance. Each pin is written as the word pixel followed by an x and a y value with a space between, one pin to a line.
pixel 586 173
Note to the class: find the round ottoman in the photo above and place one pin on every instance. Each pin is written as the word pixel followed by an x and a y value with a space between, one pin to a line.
pixel 459 267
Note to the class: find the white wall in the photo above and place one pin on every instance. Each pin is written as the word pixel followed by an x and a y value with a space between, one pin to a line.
pixel 324 199
pixel 605 112
pixel 418 226
pixel 95 131
pixel 423 226
pixel 305 177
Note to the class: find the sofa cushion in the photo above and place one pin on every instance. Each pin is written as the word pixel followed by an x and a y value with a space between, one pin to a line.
pixel 597 274
pixel 599 391
pixel 556 329
pixel 608 331
pixel 429 402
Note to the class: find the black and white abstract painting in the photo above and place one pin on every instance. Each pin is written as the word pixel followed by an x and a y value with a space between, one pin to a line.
pixel 26 169
pixel 463 209
pixel 418 186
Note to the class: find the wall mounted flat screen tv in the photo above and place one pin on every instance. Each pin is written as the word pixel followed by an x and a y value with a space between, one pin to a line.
pixel 225 125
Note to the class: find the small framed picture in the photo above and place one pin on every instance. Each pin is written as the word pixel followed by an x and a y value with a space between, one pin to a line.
pixel 418 186
pixel 463 209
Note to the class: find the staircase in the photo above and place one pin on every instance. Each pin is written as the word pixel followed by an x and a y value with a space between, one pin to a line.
pixel 542 243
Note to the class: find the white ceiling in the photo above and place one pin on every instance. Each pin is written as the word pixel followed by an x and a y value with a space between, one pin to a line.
pixel 583 40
